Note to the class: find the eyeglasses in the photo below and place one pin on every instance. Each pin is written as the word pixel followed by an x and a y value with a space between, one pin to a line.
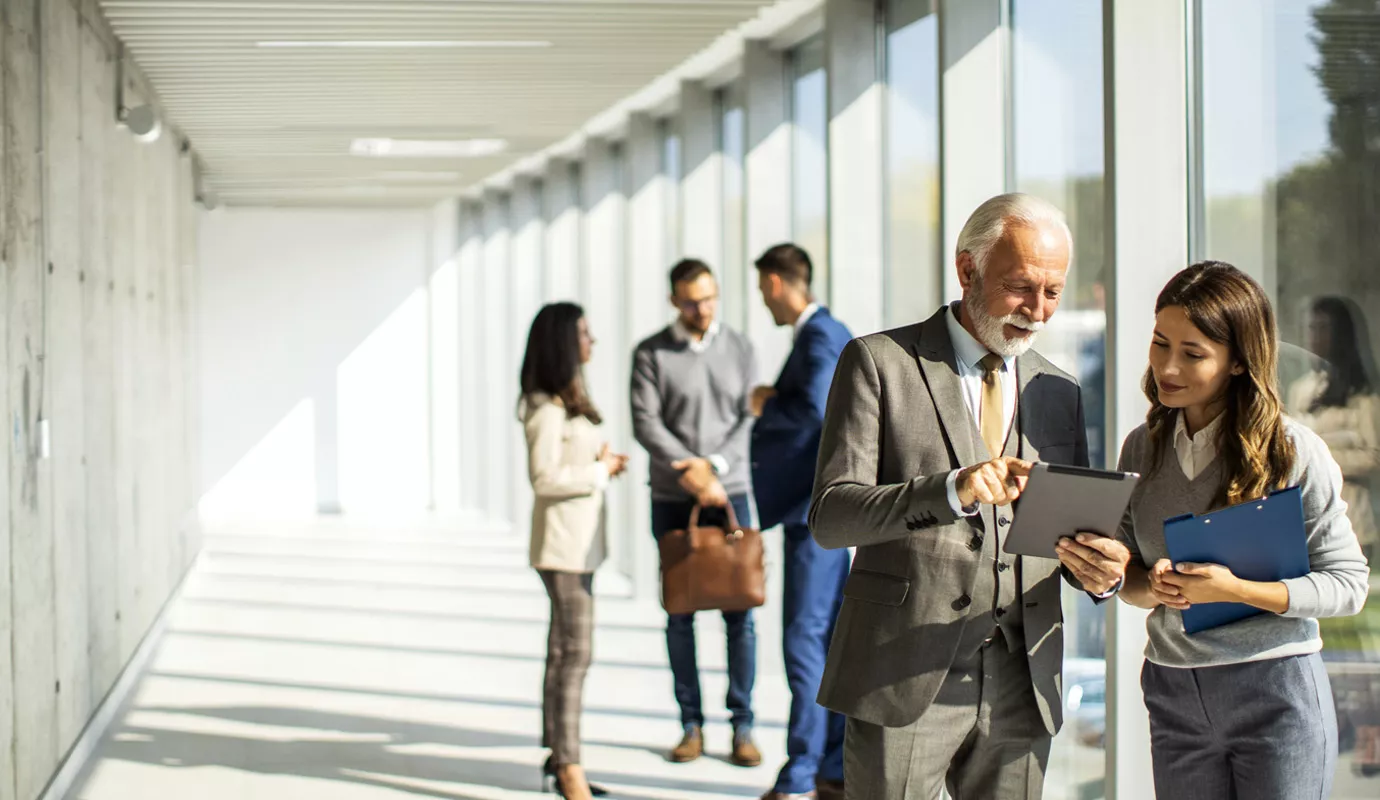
pixel 695 305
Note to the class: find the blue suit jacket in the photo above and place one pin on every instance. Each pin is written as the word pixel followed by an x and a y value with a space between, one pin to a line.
pixel 785 440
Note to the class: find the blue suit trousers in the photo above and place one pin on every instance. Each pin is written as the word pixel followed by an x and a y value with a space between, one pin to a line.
pixel 812 594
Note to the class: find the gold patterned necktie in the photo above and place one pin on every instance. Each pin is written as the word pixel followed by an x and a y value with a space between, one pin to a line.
pixel 993 420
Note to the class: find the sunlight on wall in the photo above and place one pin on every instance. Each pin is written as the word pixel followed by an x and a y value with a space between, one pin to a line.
pixel 279 473
pixel 383 390
pixel 445 386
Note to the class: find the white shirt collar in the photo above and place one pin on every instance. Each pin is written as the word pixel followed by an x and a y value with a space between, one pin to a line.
pixel 805 316
pixel 1202 439
pixel 968 350
pixel 1198 451
pixel 683 334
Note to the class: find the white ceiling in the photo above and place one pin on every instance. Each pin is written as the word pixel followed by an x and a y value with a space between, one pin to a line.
pixel 273 125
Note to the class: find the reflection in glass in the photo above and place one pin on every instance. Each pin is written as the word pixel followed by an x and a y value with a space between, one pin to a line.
pixel 809 158
pixel 1290 143
pixel 1058 115
pixel 914 264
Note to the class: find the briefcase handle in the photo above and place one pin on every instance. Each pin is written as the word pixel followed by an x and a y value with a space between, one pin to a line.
pixel 735 530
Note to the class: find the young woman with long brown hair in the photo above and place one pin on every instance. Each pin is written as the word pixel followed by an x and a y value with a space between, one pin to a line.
pixel 570 466
pixel 1243 710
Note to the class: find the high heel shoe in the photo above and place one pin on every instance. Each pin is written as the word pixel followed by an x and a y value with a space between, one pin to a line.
pixel 553 781
pixel 558 788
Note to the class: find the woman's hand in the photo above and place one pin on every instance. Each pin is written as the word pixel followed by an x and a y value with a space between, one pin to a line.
pixel 612 461
pixel 1214 583
pixel 1202 583
pixel 1164 593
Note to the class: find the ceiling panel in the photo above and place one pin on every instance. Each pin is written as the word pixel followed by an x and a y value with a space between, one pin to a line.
pixel 272 100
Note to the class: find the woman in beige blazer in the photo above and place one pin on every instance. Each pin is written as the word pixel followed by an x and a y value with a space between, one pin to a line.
pixel 570 467
pixel 1338 402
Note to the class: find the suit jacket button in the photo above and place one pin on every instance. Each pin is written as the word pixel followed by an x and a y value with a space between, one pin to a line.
pixel 962 603
pixel 999 613
pixel 1003 566
pixel 1003 522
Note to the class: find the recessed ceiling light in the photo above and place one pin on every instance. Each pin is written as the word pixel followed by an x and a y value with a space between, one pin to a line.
pixel 460 148
pixel 476 44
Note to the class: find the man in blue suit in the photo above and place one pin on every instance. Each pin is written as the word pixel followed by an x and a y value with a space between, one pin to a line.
pixel 785 443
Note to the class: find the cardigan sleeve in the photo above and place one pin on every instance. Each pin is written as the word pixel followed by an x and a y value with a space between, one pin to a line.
pixel 1339 580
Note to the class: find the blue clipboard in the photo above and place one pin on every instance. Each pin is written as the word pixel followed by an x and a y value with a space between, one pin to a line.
pixel 1261 540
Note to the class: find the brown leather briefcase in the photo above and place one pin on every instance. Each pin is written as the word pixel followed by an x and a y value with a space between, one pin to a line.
pixel 712 569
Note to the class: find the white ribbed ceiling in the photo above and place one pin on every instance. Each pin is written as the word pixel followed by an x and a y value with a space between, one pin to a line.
pixel 273 125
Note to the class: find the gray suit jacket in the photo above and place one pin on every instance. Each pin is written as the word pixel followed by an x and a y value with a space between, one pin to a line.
pixel 894 428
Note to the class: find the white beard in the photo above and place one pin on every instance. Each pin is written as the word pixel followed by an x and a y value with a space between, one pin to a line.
pixel 991 331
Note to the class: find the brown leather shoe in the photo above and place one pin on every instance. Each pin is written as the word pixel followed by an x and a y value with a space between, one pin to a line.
pixel 745 753
pixel 690 748
pixel 829 790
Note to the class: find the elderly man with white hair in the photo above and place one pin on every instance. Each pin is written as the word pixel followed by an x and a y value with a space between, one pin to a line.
pixel 947 651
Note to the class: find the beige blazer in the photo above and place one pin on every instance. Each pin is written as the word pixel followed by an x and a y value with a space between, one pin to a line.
pixel 568 484
pixel 1352 433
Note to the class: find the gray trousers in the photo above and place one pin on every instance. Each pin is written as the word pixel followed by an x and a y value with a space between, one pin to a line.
pixel 1264 729
pixel 982 738
pixel 569 649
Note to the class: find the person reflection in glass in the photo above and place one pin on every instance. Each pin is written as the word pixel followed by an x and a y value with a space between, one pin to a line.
pixel 1337 400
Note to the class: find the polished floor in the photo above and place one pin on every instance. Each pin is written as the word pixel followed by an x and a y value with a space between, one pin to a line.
pixel 353 661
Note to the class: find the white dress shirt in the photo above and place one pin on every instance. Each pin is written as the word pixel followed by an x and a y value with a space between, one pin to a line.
pixel 968 355
pixel 805 316
pixel 1195 452
pixel 697 345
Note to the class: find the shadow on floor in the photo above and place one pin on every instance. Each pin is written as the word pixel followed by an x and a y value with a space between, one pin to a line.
pixel 673 716
pixel 373 763
pixel 213 555
pixel 487 593
pixel 617 663
pixel 451 616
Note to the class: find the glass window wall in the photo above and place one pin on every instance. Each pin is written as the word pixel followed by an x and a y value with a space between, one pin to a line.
pixel 915 265
pixel 1290 165
pixel 1058 147
pixel 670 168
pixel 733 147
pixel 810 158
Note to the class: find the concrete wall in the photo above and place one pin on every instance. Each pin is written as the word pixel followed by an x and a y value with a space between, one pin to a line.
pixel 98 292
pixel 316 331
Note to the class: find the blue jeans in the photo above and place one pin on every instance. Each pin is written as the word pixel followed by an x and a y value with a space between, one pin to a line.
pixel 812 593
pixel 680 629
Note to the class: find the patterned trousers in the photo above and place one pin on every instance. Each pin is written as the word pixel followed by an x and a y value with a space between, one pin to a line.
pixel 569 649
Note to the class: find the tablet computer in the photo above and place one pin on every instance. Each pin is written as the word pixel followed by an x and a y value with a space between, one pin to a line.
pixel 1060 501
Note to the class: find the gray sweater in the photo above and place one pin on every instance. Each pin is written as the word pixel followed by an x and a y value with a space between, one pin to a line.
pixel 687 404
pixel 1336 587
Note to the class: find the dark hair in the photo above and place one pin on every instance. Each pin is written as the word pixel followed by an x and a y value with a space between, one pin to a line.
pixel 686 270
pixel 1230 308
pixel 552 366
pixel 1347 365
pixel 789 261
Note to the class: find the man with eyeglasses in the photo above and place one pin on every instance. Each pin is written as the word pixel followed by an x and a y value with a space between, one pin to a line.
pixel 691 388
